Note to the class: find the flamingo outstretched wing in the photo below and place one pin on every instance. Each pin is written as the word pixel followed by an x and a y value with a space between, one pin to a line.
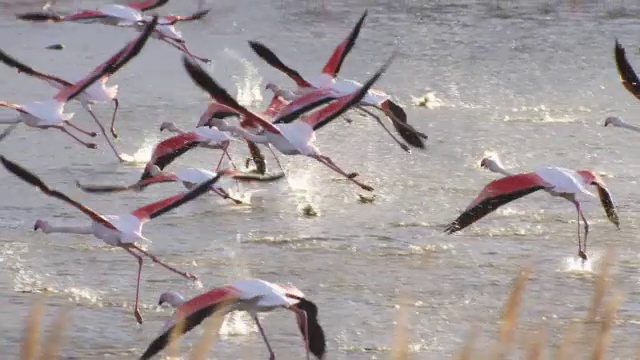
pixel 310 100
pixel 496 194
pixel 161 207
pixel 21 67
pixel 193 313
pixel 627 74
pixel 34 180
pixel 110 66
pixel 270 57
pixel 332 67
pixel 216 111
pixel 170 149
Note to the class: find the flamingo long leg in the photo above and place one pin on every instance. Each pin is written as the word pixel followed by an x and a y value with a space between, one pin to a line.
pixel 116 104
pixel 402 145
pixel 275 157
pixel 8 131
pixel 168 267
pixel 182 47
pixel 104 132
pixel 581 250
pixel 272 356
pixel 64 130
pixel 136 311
pixel 88 133
pixel 225 195
pixel 330 164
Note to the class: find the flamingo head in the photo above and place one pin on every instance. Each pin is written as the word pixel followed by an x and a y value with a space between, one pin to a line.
pixel 613 121
pixel 172 298
pixel 168 125
pixel 41 225
pixel 492 162
pixel 273 87
pixel 307 314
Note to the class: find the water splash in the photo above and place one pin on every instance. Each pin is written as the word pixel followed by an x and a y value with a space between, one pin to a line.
pixel 143 154
pixel 578 266
pixel 237 323
pixel 249 92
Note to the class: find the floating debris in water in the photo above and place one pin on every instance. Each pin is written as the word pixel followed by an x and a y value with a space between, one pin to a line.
pixel 55 47
pixel 366 200
pixel 309 211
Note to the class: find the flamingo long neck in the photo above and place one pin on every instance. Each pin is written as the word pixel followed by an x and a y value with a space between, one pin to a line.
pixel 497 168
pixel 85 230
pixel 629 126
pixel 10 120
pixel 174 129
pixel 259 139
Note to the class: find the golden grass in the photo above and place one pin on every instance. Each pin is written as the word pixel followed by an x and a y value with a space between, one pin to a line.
pixel 602 313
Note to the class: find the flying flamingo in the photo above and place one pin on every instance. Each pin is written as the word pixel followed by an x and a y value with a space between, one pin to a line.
pixel 556 181
pixel 211 138
pixel 617 122
pixel 49 114
pixel 90 15
pixel 166 151
pixel 98 92
pixel 116 230
pixel 252 296
pixel 327 79
pixel 189 177
pixel 293 138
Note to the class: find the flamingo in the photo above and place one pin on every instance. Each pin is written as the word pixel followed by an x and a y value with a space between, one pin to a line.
pixel 627 75
pixel 556 181
pixel 297 137
pixel 327 79
pixel 49 114
pixel 122 231
pixel 617 122
pixel 88 16
pixel 211 138
pixel 189 177
pixel 252 296
pixel 98 92
pixel 166 151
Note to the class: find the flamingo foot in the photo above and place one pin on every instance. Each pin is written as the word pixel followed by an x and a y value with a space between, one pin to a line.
pixel 93 134
pixel 114 133
pixel 366 187
pixel 138 316
pixel 190 276
pixel 582 255
pixel 91 146
pixel 352 175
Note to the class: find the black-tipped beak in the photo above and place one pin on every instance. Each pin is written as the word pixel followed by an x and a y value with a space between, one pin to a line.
pixel 483 163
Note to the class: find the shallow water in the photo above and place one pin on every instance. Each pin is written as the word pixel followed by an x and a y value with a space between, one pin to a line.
pixel 530 80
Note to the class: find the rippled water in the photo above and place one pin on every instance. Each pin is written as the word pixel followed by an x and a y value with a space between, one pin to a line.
pixel 531 80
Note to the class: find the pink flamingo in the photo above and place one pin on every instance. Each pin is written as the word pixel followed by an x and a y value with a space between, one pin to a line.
pixel 122 231
pixel 97 92
pixel 49 114
pixel 558 182
pixel 253 296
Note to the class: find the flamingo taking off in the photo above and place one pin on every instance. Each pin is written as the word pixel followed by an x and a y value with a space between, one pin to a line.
pixel 189 177
pixel 293 138
pixel 560 182
pixel 97 92
pixel 211 138
pixel 252 296
pixel 124 230
pixel 617 122
pixel 49 114
pixel 328 79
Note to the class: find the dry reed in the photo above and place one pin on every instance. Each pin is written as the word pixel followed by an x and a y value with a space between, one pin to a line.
pixel 601 312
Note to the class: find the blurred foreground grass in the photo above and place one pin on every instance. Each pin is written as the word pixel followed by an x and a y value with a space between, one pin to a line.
pixel 602 313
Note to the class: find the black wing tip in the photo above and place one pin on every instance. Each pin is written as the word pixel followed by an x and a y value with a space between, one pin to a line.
pixel 451 228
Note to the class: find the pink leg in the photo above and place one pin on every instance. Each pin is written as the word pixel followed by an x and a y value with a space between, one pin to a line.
pixel 89 145
pixel 226 195
pixel 136 311
pixel 88 133
pixel 581 250
pixel 113 118
pixel 272 356
pixel 329 163
pixel 182 47
pixel 170 268
pixel 104 132
pixel 305 326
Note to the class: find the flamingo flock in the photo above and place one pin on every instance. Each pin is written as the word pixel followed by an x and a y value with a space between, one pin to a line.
pixel 287 126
